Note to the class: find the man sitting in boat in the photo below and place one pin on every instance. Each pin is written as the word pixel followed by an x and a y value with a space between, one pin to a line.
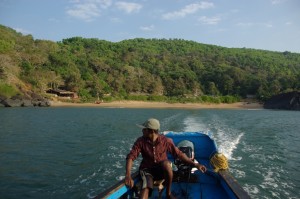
pixel 155 164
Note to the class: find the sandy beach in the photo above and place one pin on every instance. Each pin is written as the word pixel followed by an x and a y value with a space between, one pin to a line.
pixel 142 104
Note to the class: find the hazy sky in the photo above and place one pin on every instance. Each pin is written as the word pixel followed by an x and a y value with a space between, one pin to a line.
pixel 259 24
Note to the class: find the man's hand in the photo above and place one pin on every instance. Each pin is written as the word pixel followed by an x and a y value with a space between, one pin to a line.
pixel 200 167
pixel 128 181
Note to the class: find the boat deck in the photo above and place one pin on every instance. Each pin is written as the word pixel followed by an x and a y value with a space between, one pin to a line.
pixel 199 186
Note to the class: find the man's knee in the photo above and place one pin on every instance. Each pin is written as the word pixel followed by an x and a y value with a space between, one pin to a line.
pixel 166 165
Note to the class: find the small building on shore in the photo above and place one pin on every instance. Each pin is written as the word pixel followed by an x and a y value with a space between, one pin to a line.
pixel 63 93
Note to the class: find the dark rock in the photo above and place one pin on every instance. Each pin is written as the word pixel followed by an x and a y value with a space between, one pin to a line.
pixel 2 98
pixel 12 102
pixel 27 103
pixel 1 101
pixel 45 103
pixel 28 100
pixel 41 103
pixel 285 101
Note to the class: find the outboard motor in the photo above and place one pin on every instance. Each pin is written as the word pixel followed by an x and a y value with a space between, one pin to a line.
pixel 187 147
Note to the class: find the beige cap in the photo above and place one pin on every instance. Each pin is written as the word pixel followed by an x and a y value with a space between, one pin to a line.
pixel 151 123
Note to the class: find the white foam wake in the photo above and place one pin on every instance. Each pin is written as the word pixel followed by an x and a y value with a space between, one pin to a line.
pixel 192 125
pixel 227 139
pixel 227 143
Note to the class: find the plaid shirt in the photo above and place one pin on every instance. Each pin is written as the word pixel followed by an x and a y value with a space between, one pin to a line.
pixel 153 153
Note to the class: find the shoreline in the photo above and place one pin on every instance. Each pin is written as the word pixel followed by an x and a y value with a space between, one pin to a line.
pixel 143 104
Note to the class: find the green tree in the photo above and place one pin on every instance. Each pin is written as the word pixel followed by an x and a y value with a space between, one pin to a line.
pixel 212 89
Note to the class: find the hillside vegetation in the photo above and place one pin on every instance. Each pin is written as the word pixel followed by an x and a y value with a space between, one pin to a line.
pixel 143 69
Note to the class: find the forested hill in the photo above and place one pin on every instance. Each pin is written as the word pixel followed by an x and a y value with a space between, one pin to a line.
pixel 145 67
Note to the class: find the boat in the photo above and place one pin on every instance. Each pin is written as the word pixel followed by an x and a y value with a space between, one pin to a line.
pixel 188 182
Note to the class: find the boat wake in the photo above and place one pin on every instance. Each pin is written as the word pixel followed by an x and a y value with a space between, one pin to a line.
pixel 227 139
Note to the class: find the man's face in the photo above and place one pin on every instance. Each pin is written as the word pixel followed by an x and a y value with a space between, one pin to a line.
pixel 146 132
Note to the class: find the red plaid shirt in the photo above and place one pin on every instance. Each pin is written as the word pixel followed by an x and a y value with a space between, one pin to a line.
pixel 153 153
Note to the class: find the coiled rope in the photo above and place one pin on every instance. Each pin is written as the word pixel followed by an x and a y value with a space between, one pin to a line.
pixel 218 161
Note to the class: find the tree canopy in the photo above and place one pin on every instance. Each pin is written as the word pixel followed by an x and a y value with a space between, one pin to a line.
pixel 149 67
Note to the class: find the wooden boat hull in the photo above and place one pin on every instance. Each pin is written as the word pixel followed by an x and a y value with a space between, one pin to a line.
pixel 197 184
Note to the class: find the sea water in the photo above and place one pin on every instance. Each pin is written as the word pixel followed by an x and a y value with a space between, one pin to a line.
pixel 79 152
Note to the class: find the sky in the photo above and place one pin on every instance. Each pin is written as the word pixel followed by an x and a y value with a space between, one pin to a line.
pixel 258 24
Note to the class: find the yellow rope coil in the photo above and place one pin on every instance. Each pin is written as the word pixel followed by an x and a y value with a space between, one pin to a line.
pixel 219 161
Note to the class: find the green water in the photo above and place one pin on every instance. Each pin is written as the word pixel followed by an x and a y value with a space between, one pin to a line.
pixel 78 152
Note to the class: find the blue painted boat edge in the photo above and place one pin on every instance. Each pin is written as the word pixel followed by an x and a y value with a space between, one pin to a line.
pixel 119 189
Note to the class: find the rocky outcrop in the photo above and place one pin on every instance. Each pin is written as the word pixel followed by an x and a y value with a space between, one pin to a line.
pixel 285 101
pixel 27 100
